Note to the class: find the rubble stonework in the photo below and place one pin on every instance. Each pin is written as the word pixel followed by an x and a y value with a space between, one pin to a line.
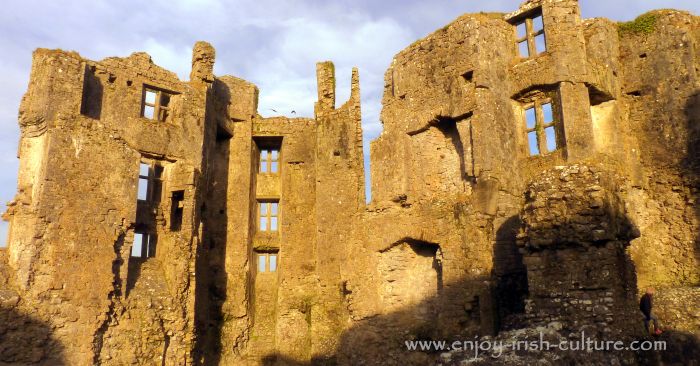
pixel 574 218
pixel 519 186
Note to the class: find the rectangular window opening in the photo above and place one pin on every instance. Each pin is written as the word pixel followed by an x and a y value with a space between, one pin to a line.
pixel 176 210
pixel 269 159
pixel 91 103
pixel 144 245
pixel 150 181
pixel 267 261
pixel 530 34
pixel 156 104
pixel 268 213
pixel 541 126
pixel 269 154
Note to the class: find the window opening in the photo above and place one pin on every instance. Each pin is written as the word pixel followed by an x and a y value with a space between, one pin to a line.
pixel 144 245
pixel 176 210
pixel 530 36
pixel 540 126
pixel 156 104
pixel 268 214
pixel 269 160
pixel 267 262
pixel 150 182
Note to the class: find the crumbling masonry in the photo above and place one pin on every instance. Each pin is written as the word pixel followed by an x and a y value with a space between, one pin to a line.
pixel 535 171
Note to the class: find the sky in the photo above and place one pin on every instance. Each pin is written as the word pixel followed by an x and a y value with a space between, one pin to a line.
pixel 274 44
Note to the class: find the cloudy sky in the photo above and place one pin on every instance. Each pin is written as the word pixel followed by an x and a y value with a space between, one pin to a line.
pixel 274 44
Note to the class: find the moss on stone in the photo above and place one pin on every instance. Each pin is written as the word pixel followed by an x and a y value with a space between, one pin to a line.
pixel 643 24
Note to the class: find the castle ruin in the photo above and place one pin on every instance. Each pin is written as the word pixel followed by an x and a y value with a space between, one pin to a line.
pixel 535 170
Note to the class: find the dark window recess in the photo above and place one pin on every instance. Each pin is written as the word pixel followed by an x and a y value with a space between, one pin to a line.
pixel 176 209
pixel 156 104
pixel 91 104
pixel 144 245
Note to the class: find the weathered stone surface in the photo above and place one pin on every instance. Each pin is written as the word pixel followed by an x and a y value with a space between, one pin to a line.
pixel 264 251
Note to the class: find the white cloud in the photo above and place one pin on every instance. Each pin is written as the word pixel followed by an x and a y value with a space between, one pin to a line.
pixel 172 57
pixel 366 43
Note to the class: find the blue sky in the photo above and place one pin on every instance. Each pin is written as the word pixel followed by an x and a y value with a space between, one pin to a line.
pixel 274 44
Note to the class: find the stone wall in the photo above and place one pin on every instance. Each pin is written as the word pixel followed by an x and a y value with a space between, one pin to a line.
pixel 83 137
pixel 470 232
pixel 574 239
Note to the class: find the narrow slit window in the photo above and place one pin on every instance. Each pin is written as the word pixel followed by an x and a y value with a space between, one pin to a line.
pixel 530 36
pixel 176 210
pixel 268 214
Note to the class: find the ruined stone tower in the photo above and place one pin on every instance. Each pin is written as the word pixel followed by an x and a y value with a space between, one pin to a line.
pixel 535 170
